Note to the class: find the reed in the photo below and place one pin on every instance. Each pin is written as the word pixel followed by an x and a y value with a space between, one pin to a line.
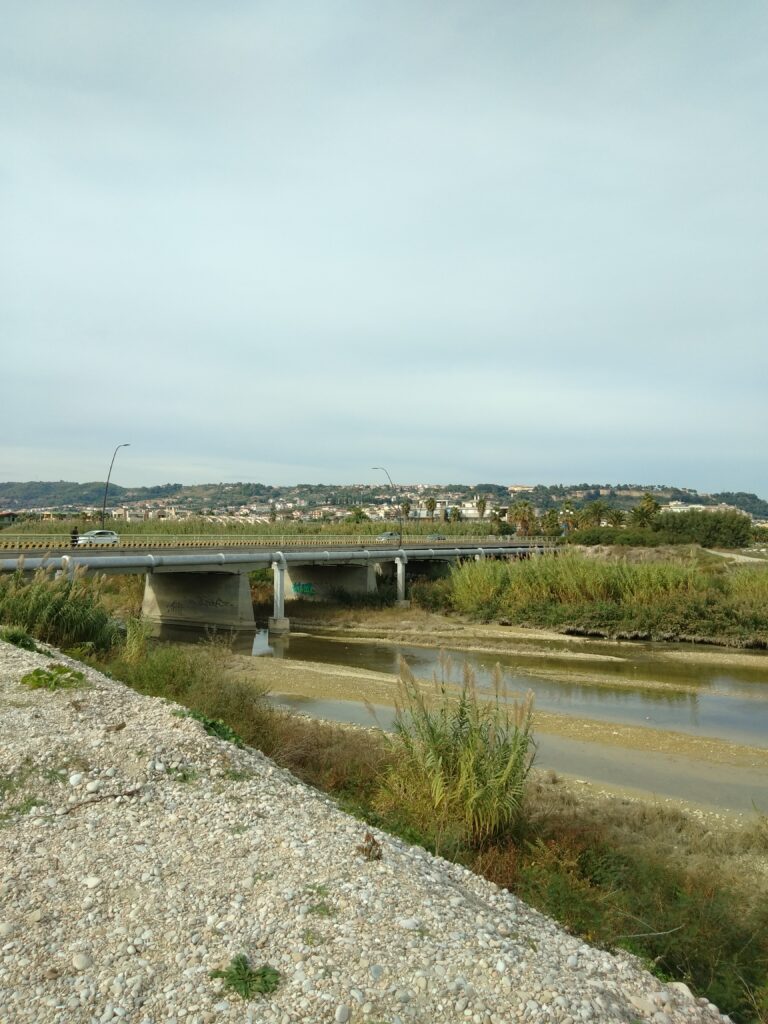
pixel 459 764
pixel 674 599
pixel 63 611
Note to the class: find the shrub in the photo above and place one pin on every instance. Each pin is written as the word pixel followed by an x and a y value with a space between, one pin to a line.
pixel 63 611
pixel 459 764
pixel 18 637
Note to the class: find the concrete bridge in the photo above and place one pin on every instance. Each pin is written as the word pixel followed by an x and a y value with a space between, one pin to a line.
pixel 212 589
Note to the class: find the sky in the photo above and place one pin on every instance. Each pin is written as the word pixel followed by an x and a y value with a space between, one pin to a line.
pixel 513 242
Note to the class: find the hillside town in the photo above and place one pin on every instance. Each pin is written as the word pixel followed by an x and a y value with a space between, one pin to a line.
pixel 233 504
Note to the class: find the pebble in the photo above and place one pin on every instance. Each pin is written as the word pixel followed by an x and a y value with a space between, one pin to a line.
pixel 143 898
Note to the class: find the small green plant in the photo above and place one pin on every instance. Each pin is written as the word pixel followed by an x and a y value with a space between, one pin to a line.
pixel 19 638
pixel 57 677
pixel 321 909
pixel 317 888
pixel 184 773
pixel 240 977
pixel 216 727
pixel 311 938
pixel 23 807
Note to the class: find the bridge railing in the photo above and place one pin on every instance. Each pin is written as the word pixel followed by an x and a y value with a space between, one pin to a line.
pixel 142 541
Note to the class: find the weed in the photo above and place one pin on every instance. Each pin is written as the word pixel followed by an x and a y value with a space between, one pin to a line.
pixel 23 807
pixel 317 888
pixel 19 638
pixel 240 977
pixel 57 677
pixel 215 727
pixel 311 938
pixel 321 909
pixel 184 773
pixel 235 775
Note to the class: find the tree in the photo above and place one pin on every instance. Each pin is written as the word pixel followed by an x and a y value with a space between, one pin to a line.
pixel 550 523
pixel 455 515
pixel 356 515
pixel 593 513
pixel 480 505
pixel 645 513
pixel 431 505
pixel 405 507
pixel 523 516
pixel 616 516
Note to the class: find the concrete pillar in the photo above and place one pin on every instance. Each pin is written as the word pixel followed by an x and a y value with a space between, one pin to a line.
pixel 278 623
pixel 198 599
pixel 400 564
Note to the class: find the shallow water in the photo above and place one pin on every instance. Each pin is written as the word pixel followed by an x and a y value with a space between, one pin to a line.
pixel 731 705
pixel 664 776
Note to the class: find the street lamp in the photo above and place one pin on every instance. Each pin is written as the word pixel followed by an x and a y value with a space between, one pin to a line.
pixel 109 474
pixel 400 507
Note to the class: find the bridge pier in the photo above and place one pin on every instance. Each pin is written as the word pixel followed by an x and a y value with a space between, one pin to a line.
pixel 217 599
pixel 278 623
pixel 400 568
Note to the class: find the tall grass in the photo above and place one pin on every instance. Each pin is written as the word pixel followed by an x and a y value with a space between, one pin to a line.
pixel 63 611
pixel 459 764
pixel 659 600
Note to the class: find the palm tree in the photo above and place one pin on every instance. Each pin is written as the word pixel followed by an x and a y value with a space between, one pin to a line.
pixel 431 505
pixel 550 523
pixel 616 516
pixel 644 513
pixel 522 514
pixel 480 504
pixel 593 513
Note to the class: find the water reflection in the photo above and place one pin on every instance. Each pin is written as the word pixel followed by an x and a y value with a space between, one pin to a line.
pixel 698 700
pixel 721 705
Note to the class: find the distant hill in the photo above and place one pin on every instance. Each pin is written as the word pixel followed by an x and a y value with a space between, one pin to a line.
pixel 65 493
pixel 49 494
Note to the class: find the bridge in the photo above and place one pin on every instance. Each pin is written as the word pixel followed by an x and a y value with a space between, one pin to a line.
pixel 211 587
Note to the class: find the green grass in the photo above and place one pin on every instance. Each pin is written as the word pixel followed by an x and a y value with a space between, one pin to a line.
pixel 675 599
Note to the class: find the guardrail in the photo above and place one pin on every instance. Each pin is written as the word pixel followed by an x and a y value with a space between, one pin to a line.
pixel 47 542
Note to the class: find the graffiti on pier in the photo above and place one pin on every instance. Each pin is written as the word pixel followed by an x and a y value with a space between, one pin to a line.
pixel 304 588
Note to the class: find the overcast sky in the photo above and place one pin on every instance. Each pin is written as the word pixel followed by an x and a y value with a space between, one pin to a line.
pixel 500 241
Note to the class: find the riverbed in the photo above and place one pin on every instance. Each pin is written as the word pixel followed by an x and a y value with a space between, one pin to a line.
pixel 679 723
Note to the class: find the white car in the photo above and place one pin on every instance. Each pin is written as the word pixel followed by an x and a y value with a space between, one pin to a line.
pixel 97 537
pixel 388 536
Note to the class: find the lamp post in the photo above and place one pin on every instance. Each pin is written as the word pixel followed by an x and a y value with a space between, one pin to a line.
pixel 127 444
pixel 400 507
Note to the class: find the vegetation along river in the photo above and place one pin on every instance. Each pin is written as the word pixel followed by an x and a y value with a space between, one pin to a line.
pixel 676 721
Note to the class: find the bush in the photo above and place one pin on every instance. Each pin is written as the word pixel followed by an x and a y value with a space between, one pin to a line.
pixel 62 611
pixel 459 765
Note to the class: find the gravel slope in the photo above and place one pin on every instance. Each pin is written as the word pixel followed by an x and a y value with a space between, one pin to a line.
pixel 157 853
